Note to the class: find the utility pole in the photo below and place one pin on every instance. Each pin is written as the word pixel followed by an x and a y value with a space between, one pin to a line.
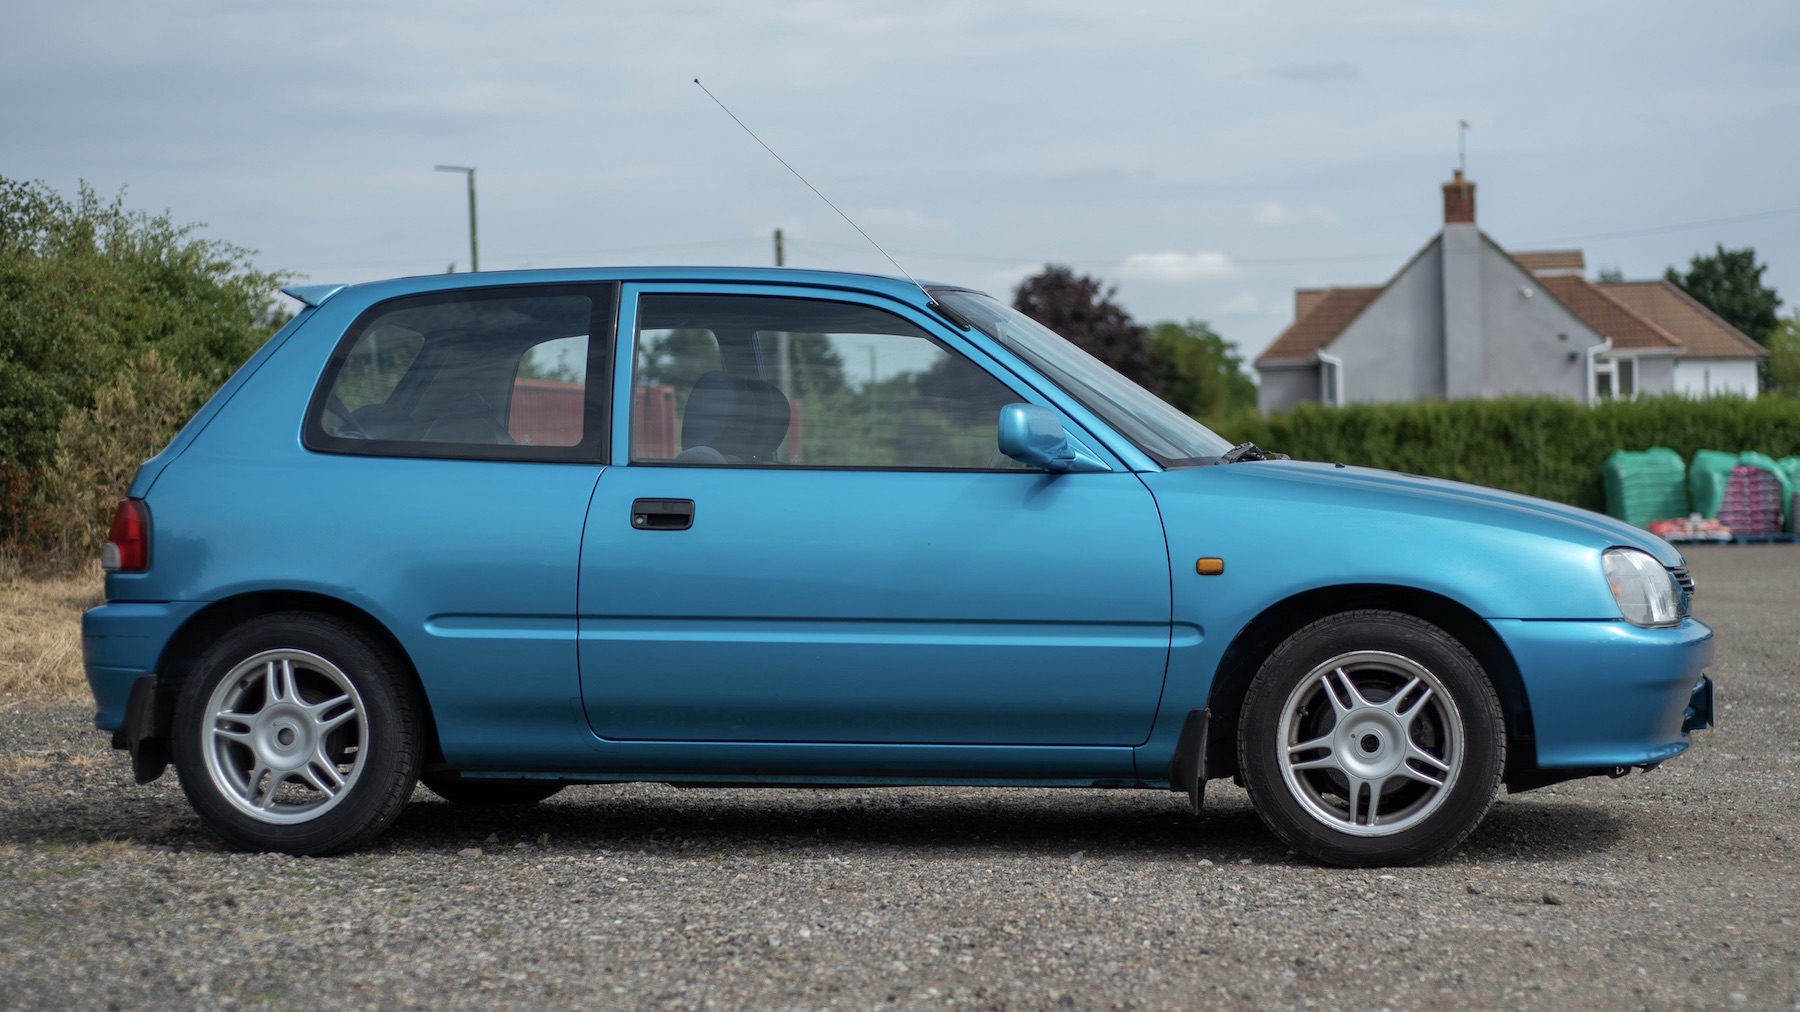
pixel 784 359
pixel 474 251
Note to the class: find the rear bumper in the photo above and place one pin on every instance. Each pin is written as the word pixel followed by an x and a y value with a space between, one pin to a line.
pixel 1610 693
pixel 121 642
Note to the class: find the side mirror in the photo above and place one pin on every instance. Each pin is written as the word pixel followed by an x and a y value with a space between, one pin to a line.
pixel 1033 435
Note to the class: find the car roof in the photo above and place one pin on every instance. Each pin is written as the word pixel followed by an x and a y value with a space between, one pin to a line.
pixel 898 288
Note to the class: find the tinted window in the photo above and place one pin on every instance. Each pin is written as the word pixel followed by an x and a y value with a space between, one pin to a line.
pixel 749 381
pixel 488 373
pixel 1170 437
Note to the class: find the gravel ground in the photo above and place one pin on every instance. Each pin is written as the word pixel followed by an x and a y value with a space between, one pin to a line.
pixel 1672 889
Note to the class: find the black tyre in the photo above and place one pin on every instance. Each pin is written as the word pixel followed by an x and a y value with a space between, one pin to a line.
pixel 483 792
pixel 297 733
pixel 1371 738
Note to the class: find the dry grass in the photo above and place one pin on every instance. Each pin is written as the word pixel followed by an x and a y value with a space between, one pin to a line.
pixel 15 765
pixel 40 632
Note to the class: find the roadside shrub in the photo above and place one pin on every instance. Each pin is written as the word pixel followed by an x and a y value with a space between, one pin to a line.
pixel 98 451
pixel 1539 446
pixel 86 287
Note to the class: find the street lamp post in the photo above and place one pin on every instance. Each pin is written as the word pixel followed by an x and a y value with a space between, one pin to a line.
pixel 474 250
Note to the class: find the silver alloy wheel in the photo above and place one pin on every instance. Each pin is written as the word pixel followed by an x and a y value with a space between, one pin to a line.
pixel 1372 743
pixel 285 736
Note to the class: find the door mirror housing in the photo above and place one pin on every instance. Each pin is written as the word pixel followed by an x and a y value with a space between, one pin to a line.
pixel 1034 435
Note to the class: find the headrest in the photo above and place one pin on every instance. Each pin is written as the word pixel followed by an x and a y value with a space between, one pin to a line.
pixel 744 418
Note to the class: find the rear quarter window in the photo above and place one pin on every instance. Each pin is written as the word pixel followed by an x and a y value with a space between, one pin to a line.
pixel 496 373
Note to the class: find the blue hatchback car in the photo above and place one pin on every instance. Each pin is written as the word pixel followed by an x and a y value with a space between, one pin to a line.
pixel 505 532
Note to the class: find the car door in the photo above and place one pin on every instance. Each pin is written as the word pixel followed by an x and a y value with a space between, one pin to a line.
pixel 455 439
pixel 812 538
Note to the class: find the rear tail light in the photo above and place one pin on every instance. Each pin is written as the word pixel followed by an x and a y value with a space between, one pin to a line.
pixel 128 542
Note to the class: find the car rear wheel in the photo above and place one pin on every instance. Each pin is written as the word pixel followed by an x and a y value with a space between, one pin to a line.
pixel 1371 738
pixel 483 792
pixel 297 733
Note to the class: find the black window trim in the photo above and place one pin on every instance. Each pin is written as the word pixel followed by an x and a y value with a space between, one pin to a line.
pixel 596 441
pixel 864 299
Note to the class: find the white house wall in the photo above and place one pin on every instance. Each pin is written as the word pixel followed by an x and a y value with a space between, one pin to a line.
pixel 1708 377
pixel 1394 350
pixel 1531 343
pixel 1457 322
pixel 1655 376
pixel 1282 387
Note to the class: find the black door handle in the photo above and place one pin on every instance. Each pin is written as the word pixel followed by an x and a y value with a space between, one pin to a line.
pixel 662 514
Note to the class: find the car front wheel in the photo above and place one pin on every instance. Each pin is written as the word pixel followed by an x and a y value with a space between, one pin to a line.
pixel 1371 738
pixel 297 733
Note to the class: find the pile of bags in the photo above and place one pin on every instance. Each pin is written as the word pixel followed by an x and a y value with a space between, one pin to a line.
pixel 1646 485
pixel 1714 497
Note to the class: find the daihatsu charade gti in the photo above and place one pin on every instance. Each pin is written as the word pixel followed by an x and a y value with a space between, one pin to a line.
pixel 502 533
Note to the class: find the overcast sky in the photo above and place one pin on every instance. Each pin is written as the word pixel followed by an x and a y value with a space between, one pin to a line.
pixel 1208 158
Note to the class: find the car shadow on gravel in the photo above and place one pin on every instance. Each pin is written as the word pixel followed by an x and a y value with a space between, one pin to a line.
pixel 938 822
pixel 705 822
pixel 1533 829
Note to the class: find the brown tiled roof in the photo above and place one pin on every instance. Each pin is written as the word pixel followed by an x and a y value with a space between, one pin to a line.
pixel 1698 329
pixel 1306 298
pixel 1552 260
pixel 1608 316
pixel 1329 312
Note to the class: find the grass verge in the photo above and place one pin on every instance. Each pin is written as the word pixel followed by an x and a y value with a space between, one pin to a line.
pixel 40 631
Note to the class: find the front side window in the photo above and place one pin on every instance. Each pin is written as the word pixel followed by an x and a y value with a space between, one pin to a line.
pixel 1170 437
pixel 730 380
pixel 498 374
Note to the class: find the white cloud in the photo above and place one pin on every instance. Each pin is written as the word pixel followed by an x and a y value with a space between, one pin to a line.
pixel 1178 268
pixel 887 217
pixel 1317 71
pixel 1243 304
pixel 1275 214
pixel 1001 283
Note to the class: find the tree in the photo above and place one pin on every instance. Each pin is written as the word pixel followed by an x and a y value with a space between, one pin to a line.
pixel 86 290
pixel 1081 310
pixel 1729 282
pixel 1201 371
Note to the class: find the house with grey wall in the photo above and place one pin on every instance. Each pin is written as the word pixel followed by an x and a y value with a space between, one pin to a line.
pixel 1464 318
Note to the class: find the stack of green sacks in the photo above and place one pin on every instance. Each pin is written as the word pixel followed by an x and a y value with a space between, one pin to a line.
pixel 1790 466
pixel 1706 477
pixel 1647 485
pixel 1710 472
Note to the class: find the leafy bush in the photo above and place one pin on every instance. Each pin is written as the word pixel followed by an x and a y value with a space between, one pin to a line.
pixel 1539 446
pixel 98 450
pixel 86 289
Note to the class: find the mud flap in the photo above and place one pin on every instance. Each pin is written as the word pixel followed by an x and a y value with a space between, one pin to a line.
pixel 149 750
pixel 1187 769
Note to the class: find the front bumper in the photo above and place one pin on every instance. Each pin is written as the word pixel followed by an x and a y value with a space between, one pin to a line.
pixel 1609 693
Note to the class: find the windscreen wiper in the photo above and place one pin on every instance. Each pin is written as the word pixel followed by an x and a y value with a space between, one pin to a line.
pixel 1248 451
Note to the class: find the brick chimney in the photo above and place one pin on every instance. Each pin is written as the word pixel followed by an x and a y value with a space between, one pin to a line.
pixel 1459 201
pixel 1464 339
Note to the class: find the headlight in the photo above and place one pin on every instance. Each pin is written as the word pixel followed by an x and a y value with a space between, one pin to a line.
pixel 1646 593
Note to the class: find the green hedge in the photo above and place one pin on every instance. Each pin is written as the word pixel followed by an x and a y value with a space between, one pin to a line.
pixel 1540 446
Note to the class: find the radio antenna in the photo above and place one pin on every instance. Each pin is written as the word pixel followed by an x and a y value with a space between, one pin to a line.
pixel 827 200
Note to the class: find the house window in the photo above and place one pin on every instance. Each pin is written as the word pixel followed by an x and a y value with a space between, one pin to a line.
pixel 1615 379
pixel 1331 380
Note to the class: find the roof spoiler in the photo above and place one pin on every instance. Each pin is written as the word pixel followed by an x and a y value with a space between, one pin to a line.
pixel 312 295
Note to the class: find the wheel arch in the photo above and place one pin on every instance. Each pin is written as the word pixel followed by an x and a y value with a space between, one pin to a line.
pixel 1259 638
pixel 208 624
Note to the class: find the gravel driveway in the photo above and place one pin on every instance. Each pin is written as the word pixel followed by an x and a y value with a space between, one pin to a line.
pixel 1672 889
